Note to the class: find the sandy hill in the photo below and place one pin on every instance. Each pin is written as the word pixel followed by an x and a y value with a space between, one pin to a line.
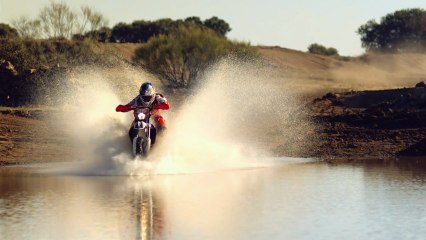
pixel 125 50
pixel 297 62
pixel 315 72
pixel 318 74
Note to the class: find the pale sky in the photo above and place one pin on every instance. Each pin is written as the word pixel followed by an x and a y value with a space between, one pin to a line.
pixel 292 24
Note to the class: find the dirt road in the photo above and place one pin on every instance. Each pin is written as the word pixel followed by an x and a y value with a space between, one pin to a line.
pixel 25 138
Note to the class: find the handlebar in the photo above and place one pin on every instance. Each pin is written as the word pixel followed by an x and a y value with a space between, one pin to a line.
pixel 138 107
pixel 125 108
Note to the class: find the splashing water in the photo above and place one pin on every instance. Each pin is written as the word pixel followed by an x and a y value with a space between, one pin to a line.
pixel 225 125
pixel 233 120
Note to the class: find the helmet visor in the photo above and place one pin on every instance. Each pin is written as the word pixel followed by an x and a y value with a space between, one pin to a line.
pixel 147 98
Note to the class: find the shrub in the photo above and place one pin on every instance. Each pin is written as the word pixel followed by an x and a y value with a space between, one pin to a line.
pixel 51 59
pixel 15 52
pixel 321 50
pixel 180 57
pixel 7 31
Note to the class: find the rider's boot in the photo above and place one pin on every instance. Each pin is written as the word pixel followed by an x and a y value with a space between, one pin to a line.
pixel 161 130
pixel 132 133
pixel 153 135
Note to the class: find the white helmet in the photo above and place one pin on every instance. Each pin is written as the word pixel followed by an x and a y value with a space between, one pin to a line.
pixel 147 93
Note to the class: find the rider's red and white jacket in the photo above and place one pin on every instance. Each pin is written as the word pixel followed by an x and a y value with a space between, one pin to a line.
pixel 160 102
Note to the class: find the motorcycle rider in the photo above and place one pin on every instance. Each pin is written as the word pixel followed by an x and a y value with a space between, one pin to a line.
pixel 148 98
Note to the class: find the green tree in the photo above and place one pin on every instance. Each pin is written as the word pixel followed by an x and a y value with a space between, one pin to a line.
pixel 194 20
pixel 7 31
pixel 101 35
pixel 401 31
pixel 218 25
pixel 180 57
pixel 122 32
pixel 321 50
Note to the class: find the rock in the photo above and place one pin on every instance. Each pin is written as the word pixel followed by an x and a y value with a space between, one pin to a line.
pixel 416 150
pixel 30 71
pixel 420 85
pixel 7 68
pixel 330 96
pixel 328 99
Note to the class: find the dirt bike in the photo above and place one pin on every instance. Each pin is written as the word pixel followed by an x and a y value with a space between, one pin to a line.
pixel 141 143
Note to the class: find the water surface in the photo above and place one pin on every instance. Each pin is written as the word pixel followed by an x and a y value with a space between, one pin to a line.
pixel 289 201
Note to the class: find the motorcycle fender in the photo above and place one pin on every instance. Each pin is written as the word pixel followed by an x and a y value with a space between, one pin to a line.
pixel 135 140
pixel 139 125
pixel 143 133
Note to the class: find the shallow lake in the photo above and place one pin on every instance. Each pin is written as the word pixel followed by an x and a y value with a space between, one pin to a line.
pixel 287 201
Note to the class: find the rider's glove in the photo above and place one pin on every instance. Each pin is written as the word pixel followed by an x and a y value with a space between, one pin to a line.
pixel 161 99
pixel 123 108
pixel 119 108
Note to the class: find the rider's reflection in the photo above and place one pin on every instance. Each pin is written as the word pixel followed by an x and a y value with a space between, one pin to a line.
pixel 149 214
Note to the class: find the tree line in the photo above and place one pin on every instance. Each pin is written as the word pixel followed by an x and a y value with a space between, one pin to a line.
pixel 59 21
pixel 141 31
pixel 401 31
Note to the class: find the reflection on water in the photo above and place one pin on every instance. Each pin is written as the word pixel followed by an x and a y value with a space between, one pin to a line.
pixel 296 201
pixel 148 212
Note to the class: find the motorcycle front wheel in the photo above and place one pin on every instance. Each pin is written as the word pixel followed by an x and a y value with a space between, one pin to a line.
pixel 146 147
